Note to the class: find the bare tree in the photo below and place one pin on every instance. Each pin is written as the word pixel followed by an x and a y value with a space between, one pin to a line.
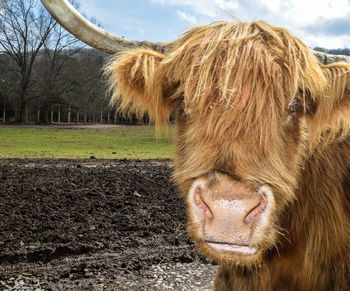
pixel 8 81
pixel 59 49
pixel 24 28
pixel 46 66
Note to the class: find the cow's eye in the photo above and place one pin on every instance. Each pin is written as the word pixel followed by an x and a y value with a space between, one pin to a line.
pixel 294 105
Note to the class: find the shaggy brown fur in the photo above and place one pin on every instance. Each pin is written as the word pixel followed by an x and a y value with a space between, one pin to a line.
pixel 233 86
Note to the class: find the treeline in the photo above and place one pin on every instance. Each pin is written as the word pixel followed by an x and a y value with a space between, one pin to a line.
pixel 46 74
pixel 344 51
pixel 71 90
pixel 65 86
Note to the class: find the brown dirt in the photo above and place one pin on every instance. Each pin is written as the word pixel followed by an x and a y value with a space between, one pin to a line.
pixel 95 225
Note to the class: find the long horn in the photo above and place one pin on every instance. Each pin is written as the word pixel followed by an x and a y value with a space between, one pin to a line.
pixel 327 58
pixel 91 34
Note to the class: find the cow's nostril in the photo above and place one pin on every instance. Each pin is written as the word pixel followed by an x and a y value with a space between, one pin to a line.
pixel 253 216
pixel 200 203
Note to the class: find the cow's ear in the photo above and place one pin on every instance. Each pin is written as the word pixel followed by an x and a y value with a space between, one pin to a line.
pixel 137 87
pixel 332 108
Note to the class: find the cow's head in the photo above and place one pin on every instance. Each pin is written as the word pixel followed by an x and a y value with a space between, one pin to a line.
pixel 249 103
pixel 240 92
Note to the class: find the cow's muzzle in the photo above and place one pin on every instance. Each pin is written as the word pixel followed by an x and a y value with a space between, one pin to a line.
pixel 229 213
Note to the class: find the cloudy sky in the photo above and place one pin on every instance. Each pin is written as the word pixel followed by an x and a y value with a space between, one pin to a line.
pixel 324 23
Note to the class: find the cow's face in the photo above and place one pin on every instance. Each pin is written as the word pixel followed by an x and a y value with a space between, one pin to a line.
pixel 238 171
pixel 242 94
pixel 237 183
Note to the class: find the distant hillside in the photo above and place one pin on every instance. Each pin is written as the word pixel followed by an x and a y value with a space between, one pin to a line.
pixel 344 52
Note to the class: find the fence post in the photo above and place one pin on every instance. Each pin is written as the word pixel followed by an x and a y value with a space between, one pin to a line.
pixel 38 115
pixel 69 109
pixel 51 113
pixel 4 114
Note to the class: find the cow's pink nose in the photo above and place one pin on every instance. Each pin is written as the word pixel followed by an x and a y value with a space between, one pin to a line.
pixel 229 210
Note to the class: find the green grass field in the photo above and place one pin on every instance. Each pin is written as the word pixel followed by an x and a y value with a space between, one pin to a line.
pixel 131 142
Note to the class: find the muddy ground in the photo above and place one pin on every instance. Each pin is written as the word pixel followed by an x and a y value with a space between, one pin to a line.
pixel 95 225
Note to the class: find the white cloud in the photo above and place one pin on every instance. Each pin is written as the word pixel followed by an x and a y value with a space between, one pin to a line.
pixel 300 12
pixel 295 11
pixel 316 22
pixel 298 16
pixel 188 18
pixel 273 5
pixel 313 10
pixel 209 8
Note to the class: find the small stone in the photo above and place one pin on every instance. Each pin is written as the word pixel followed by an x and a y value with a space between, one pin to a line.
pixel 137 194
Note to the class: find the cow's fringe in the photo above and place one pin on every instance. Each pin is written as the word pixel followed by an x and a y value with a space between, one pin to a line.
pixel 252 70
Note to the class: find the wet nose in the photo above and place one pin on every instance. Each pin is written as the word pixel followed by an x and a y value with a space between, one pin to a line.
pixel 228 207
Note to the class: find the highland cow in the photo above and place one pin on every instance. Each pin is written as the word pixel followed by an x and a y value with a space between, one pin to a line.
pixel 262 150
